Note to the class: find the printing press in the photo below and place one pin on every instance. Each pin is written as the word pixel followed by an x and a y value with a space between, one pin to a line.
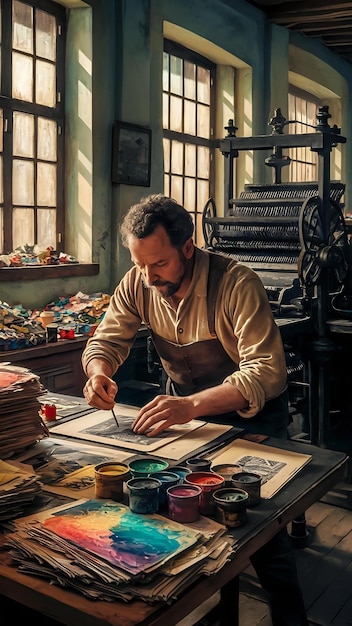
pixel 294 236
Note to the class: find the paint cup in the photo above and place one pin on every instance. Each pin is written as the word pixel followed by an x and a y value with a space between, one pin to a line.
pixel 198 464
pixel 109 479
pixel 167 479
pixel 227 470
pixel 183 503
pixel 181 471
pixel 208 482
pixel 51 333
pixel 46 317
pixel 250 482
pixel 231 506
pixel 146 465
pixel 143 494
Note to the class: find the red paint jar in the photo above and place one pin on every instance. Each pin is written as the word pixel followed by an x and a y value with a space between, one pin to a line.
pixel 208 482
pixel 49 412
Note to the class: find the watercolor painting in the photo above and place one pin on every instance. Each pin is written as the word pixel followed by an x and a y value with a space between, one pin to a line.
pixel 110 531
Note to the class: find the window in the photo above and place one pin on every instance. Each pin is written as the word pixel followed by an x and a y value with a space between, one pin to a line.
pixel 188 123
pixel 303 109
pixel 31 124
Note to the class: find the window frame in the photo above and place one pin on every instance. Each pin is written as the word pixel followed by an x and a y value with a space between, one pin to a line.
pixel 186 54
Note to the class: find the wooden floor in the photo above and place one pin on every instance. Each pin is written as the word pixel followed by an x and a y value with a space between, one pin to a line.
pixel 324 566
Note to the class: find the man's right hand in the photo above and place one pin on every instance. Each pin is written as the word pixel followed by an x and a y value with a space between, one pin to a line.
pixel 100 392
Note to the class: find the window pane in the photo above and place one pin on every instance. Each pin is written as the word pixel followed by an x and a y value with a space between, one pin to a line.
pixel 45 85
pixel 45 36
pixel 22 33
pixel 199 229
pixel 46 184
pixel 165 71
pixel 176 189
pixel 177 157
pixel 190 193
pixel 190 159
pixel 203 121
pixel 165 111
pixel 176 75
pixel 190 80
pixel 203 162
pixel 190 118
pixel 202 194
pixel 167 185
pixel 176 114
pixel 23 183
pixel 23 135
pixel 22 77
pixel 23 227
pixel 166 146
pixel 47 139
pixel 203 85
pixel 46 228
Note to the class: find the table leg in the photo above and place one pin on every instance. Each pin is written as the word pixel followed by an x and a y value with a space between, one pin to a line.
pixel 229 603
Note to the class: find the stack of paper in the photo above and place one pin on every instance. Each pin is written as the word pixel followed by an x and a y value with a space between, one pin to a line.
pixel 18 489
pixel 106 552
pixel 20 421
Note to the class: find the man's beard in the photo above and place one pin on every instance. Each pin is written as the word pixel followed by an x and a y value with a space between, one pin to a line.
pixel 169 289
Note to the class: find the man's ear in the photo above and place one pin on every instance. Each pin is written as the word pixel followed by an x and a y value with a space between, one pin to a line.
pixel 188 248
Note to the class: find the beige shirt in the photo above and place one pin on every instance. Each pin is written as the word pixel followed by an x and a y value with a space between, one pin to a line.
pixel 244 324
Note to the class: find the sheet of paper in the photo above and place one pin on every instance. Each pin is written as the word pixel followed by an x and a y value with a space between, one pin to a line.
pixel 100 427
pixel 275 466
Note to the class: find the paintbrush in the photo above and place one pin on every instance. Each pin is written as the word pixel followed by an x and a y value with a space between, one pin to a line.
pixel 115 418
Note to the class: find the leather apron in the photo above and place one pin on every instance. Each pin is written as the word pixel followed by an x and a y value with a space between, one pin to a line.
pixel 196 366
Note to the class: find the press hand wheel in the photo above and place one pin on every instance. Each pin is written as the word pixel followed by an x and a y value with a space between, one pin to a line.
pixel 318 253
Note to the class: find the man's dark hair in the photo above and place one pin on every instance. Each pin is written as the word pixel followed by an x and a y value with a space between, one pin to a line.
pixel 156 210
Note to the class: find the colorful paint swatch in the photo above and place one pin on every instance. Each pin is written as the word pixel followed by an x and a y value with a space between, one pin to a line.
pixel 132 542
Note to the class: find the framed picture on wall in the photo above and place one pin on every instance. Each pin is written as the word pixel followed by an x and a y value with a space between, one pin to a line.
pixel 131 154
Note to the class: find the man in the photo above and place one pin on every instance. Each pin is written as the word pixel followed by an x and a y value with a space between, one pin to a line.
pixel 212 326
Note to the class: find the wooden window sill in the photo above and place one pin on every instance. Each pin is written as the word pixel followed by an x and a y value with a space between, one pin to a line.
pixel 44 272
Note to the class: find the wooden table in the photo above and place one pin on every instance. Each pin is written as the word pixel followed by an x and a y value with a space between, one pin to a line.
pixel 325 469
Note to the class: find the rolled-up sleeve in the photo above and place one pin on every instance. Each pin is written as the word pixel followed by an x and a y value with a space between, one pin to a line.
pixel 116 333
pixel 250 335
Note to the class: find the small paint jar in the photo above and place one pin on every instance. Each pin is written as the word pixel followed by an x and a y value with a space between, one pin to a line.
pixel 181 471
pixel 49 412
pixel 183 503
pixel 167 479
pixel 227 470
pixel 231 506
pixel 144 494
pixel 46 317
pixel 250 482
pixel 208 482
pixel 109 479
pixel 145 466
pixel 198 464
pixel 51 333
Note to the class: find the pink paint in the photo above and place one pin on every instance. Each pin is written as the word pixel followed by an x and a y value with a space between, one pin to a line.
pixel 183 503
